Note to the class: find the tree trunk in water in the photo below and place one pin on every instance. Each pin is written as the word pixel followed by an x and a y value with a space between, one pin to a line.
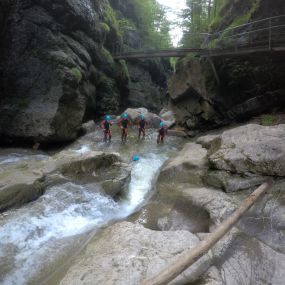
pixel 190 256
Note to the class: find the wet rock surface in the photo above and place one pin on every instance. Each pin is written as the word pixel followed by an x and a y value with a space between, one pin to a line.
pixel 254 250
pixel 134 254
pixel 26 180
pixel 251 148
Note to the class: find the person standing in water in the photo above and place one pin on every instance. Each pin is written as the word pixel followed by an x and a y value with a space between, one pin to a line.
pixel 124 124
pixel 162 131
pixel 106 126
pixel 142 126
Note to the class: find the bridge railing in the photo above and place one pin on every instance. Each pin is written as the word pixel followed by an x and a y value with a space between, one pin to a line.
pixel 264 34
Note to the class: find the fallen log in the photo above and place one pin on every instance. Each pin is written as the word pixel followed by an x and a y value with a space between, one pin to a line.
pixel 190 256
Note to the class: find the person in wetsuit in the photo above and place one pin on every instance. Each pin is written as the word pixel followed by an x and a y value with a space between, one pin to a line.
pixel 124 124
pixel 162 131
pixel 142 126
pixel 106 126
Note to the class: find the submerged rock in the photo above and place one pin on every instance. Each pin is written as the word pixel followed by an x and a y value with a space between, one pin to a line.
pixel 128 254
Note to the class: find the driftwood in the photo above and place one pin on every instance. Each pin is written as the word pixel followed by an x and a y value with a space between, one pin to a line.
pixel 190 256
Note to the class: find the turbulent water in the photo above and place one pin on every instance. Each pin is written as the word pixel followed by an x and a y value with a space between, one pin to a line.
pixel 37 237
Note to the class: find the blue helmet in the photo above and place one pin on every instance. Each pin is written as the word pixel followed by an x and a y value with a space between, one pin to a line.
pixel 161 124
pixel 136 157
pixel 125 116
pixel 108 118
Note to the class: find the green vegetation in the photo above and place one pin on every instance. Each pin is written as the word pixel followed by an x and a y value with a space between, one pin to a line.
pixel 210 16
pixel 124 69
pixel 105 28
pixel 268 120
pixel 126 24
pixel 149 19
pixel 76 73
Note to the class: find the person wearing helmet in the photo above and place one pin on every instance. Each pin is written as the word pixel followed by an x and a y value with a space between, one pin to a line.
pixel 162 131
pixel 124 124
pixel 106 126
pixel 142 125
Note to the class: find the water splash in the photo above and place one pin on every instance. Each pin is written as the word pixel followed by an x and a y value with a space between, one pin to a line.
pixel 64 212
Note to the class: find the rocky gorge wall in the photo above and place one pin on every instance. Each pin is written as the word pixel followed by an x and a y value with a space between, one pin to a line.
pixel 238 87
pixel 57 69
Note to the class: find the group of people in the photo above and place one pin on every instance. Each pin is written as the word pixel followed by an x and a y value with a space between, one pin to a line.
pixel 124 124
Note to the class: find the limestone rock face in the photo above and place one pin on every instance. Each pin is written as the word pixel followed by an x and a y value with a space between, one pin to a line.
pixel 242 255
pixel 127 254
pixel 144 90
pixel 252 148
pixel 50 73
pixel 57 69
pixel 187 167
pixel 203 98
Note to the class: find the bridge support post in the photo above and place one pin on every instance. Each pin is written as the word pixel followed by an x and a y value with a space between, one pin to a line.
pixel 209 59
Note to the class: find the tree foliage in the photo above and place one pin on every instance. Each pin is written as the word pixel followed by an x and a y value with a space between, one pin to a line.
pixel 150 19
pixel 197 18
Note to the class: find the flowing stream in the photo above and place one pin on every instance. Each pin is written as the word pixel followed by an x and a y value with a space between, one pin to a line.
pixel 38 237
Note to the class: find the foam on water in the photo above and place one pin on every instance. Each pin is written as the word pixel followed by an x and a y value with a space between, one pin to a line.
pixel 143 173
pixel 15 157
pixel 36 233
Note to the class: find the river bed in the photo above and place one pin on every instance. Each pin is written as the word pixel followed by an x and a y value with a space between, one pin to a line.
pixel 37 239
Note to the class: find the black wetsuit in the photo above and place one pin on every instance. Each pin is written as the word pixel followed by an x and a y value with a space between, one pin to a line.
pixel 142 124
pixel 125 123
pixel 162 131
pixel 107 126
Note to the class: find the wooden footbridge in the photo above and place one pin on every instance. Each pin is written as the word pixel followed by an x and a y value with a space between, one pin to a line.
pixel 262 36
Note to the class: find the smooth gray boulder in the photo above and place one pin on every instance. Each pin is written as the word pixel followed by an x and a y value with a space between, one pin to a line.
pixel 251 148
pixel 230 182
pixel 26 180
pixel 188 166
pixel 152 119
pixel 126 253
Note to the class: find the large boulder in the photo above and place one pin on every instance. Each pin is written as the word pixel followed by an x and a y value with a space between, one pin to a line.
pixel 188 166
pixel 206 94
pixel 25 180
pixel 168 117
pixel 251 148
pixel 152 119
pixel 126 253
